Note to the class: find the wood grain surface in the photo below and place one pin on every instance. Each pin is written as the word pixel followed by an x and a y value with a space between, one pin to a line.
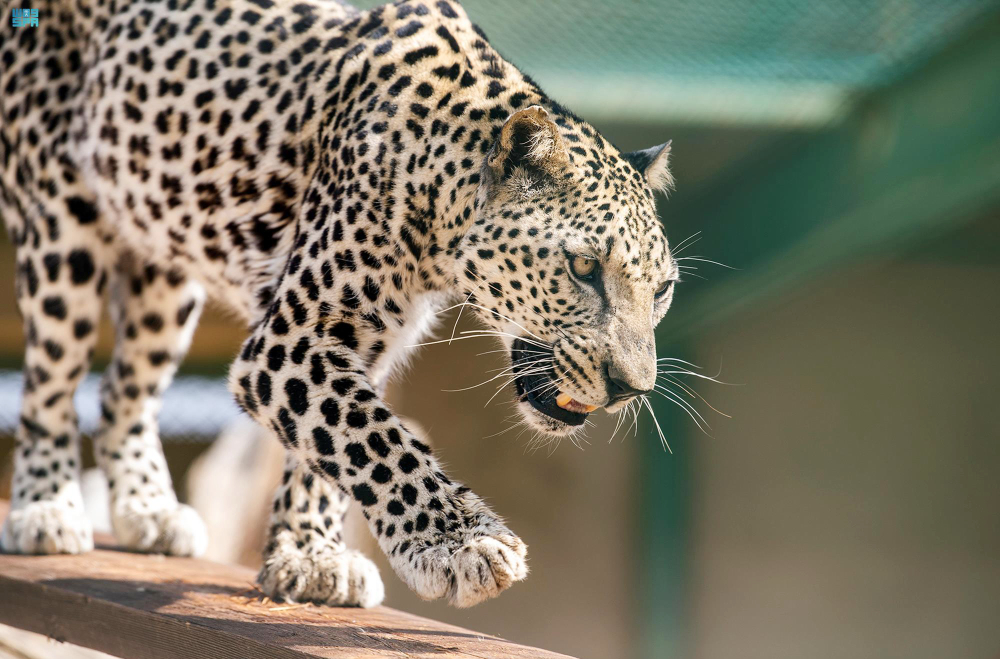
pixel 137 606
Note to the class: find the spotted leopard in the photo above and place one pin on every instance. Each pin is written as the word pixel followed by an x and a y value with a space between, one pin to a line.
pixel 336 178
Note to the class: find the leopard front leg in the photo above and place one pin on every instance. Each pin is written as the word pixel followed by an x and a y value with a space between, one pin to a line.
pixel 305 559
pixel 61 275
pixel 155 312
pixel 311 387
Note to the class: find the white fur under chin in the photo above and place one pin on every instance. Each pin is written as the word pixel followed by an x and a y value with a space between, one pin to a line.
pixel 545 423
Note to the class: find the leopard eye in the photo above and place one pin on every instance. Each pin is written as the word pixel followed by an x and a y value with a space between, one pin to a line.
pixel 664 289
pixel 582 267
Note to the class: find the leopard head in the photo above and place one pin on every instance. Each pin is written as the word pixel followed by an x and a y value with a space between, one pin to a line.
pixel 568 263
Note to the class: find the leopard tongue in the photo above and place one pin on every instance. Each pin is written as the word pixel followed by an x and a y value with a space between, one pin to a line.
pixel 566 402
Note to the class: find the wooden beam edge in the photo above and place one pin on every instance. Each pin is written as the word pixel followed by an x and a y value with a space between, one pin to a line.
pixel 139 606
pixel 118 630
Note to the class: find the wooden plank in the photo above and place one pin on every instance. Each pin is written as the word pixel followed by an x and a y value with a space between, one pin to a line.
pixel 137 606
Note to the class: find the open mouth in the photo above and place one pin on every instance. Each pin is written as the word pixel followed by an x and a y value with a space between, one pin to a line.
pixel 535 386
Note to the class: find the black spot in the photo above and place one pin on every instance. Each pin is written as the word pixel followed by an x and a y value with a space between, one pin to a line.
pixel 158 357
pixel 363 494
pixel 447 36
pixel 317 372
pixel 323 441
pixel 276 357
pixel 81 266
pixel 408 463
pixel 397 87
pixel 395 507
pixel 332 470
pixel 288 426
pixel 153 321
pixel 357 419
pixel 82 328
pixel 54 306
pixel 203 98
pixel 358 455
pixel 381 473
pixel 331 412
pixel 446 9
pixel 410 28
pixel 51 263
pixel 279 325
pixel 495 89
pixel 342 385
pixel 184 312
pixel 300 350
pixel 345 332
pixel 409 494
pixel 30 277
pixel 85 212
pixel 264 388
pixel 235 88
pixel 377 444
pixel 53 350
pixel 371 289
pixel 298 398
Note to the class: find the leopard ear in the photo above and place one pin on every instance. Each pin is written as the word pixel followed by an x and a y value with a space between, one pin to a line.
pixel 654 163
pixel 528 140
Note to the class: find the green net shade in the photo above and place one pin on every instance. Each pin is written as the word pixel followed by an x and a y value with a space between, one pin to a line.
pixel 742 61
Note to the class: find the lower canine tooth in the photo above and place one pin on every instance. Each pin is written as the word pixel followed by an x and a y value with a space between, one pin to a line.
pixel 566 402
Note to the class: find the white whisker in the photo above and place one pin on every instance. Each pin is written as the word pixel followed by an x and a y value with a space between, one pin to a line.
pixel 684 244
pixel 459 317
pixel 507 373
pixel 694 375
pixel 675 359
pixel 618 423
pixel 703 260
pixel 489 332
pixel 659 431
pixel 695 394
pixel 688 409
pixel 496 313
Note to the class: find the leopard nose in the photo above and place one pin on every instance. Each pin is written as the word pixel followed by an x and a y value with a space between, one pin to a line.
pixel 619 388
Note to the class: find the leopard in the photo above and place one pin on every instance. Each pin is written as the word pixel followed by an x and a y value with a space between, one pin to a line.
pixel 336 178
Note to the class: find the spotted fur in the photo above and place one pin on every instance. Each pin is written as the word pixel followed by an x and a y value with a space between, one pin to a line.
pixel 336 178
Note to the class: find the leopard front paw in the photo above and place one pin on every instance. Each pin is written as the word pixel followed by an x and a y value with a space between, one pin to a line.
pixel 320 574
pixel 47 527
pixel 466 571
pixel 159 527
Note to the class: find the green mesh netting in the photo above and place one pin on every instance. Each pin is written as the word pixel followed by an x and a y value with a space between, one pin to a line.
pixel 806 45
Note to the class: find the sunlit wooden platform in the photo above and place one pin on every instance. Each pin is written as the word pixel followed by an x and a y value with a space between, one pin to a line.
pixel 136 606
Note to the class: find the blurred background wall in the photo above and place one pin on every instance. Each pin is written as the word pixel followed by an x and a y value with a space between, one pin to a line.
pixel 843 160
